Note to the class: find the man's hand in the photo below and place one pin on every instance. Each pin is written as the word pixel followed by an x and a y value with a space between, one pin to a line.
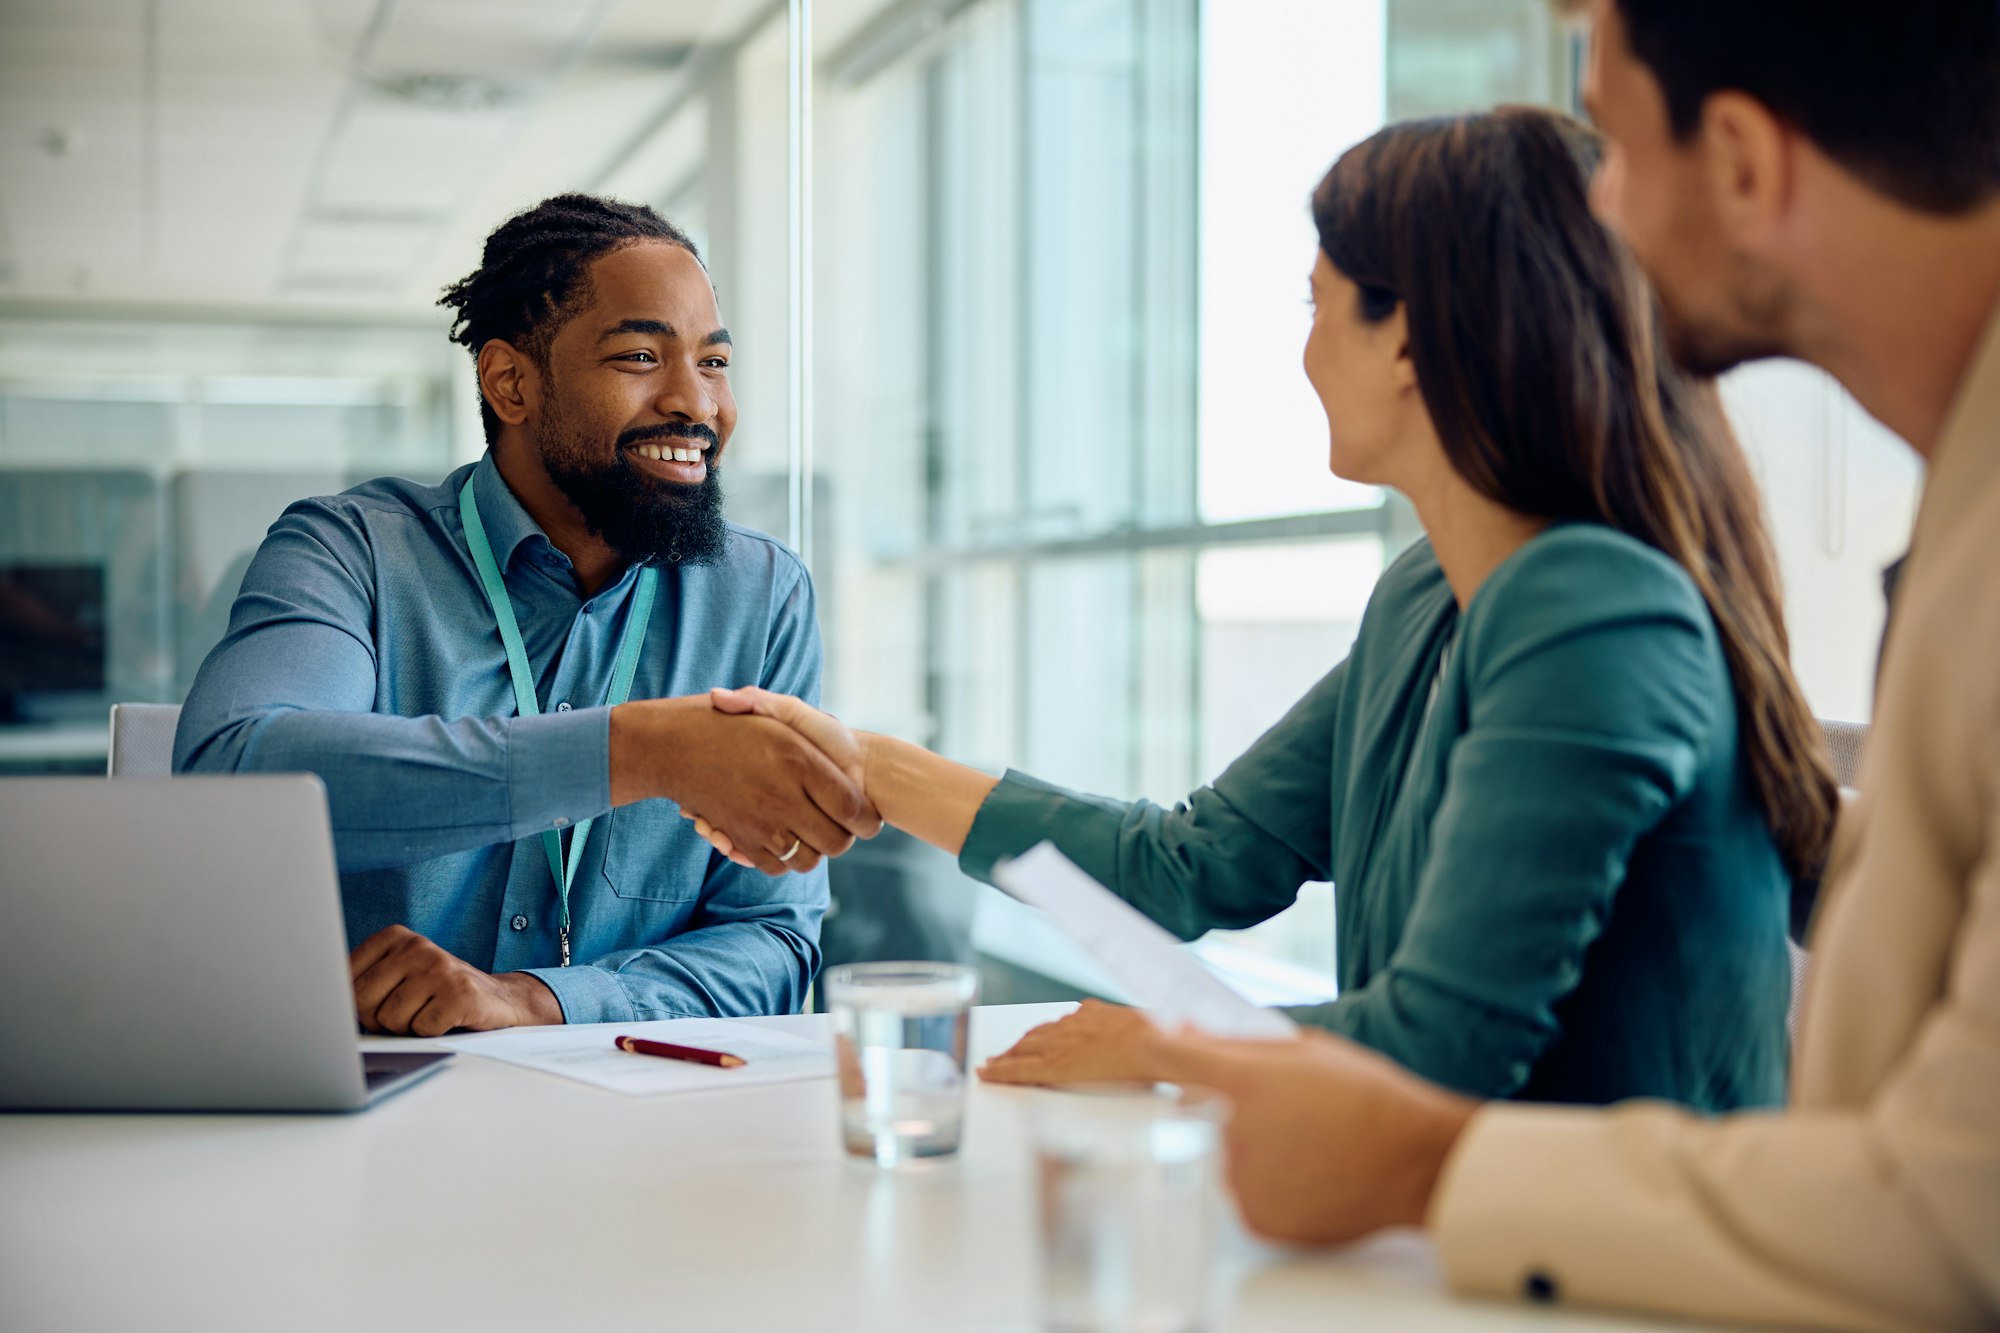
pixel 1099 1043
pixel 1329 1141
pixel 823 731
pixel 405 984
pixel 770 790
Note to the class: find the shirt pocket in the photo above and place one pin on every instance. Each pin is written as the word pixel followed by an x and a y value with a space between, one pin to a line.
pixel 653 855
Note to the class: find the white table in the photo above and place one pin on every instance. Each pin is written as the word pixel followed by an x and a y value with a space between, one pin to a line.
pixel 496 1198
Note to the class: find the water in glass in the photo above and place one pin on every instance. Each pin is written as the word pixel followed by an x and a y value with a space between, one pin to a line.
pixel 1130 1204
pixel 900 1032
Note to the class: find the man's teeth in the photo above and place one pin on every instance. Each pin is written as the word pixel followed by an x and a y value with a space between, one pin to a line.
pixel 661 453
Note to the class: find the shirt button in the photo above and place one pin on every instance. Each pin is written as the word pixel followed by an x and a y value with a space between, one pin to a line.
pixel 588 607
pixel 519 922
pixel 563 707
pixel 562 821
pixel 1541 1288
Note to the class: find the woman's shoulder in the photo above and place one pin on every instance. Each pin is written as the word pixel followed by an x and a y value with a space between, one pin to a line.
pixel 1569 580
pixel 1583 583
pixel 1586 571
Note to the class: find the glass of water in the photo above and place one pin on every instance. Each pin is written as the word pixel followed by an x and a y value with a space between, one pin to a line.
pixel 900 1038
pixel 1131 1205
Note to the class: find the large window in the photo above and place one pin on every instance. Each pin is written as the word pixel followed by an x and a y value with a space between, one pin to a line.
pixel 1077 517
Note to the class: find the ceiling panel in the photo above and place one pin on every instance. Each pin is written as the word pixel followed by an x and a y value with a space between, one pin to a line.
pixel 247 92
pixel 72 142
pixel 512 43
pixel 386 158
pixel 266 153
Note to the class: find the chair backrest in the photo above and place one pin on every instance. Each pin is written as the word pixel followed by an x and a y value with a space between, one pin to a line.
pixel 1845 740
pixel 142 740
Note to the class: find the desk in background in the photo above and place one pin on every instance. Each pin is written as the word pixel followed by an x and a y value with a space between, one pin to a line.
pixel 497 1198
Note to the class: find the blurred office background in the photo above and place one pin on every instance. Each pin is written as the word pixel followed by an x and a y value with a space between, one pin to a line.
pixel 1018 290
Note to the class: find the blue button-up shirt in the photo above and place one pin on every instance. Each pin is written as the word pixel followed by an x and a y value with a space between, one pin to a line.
pixel 362 648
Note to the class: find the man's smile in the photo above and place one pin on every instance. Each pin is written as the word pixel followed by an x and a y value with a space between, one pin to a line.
pixel 683 461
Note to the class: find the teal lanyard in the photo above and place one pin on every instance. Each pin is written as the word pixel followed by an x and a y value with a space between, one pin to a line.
pixel 524 681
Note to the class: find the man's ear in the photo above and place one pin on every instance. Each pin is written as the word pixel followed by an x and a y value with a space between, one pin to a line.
pixel 1752 167
pixel 508 380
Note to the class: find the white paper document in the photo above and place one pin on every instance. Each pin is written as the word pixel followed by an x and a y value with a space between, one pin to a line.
pixel 1162 977
pixel 586 1053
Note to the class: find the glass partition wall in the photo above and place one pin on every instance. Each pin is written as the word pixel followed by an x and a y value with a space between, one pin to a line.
pixel 221 243
pixel 1017 289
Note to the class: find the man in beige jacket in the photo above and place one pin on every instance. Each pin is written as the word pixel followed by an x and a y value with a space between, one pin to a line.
pixel 1816 178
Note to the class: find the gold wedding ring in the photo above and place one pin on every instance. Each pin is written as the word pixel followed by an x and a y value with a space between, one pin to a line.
pixel 796 844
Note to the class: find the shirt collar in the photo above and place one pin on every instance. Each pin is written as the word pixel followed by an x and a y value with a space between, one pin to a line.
pixel 507 522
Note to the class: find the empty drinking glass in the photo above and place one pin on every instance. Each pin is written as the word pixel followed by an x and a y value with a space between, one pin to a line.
pixel 1130 1207
pixel 900 1038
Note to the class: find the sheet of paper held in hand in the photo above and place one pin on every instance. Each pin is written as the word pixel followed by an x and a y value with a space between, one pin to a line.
pixel 586 1053
pixel 1161 976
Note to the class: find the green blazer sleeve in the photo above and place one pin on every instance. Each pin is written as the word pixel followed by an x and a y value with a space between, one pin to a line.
pixel 1593 676
pixel 1231 855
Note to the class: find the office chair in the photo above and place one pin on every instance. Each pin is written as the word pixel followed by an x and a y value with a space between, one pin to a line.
pixel 1845 740
pixel 142 740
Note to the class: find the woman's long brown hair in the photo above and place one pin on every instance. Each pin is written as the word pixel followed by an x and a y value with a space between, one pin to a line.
pixel 1537 347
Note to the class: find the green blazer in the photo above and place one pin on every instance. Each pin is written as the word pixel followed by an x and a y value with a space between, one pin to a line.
pixel 1553 879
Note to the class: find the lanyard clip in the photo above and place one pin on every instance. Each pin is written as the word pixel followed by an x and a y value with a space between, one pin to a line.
pixel 563 936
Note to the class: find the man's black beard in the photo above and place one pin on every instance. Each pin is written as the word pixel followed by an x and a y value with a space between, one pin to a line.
pixel 636 515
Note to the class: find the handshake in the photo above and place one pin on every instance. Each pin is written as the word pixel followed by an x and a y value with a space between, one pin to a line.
pixel 847 752
pixel 770 781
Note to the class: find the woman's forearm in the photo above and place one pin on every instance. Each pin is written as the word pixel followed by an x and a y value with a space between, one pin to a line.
pixel 924 794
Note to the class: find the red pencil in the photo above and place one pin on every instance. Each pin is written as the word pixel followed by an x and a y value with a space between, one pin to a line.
pixel 668 1051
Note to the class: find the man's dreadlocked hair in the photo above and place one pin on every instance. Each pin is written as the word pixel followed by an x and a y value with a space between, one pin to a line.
pixel 533 274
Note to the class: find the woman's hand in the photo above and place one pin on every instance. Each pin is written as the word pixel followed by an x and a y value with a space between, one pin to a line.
pixel 824 731
pixel 1099 1043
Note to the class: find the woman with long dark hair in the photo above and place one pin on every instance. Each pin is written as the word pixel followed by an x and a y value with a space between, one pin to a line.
pixel 1564 779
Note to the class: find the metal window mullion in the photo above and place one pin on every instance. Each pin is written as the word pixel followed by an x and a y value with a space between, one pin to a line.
pixel 1023 214
pixel 799 277
pixel 1331 525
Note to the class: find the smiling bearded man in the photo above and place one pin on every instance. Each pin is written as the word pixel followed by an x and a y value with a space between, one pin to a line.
pixel 502 679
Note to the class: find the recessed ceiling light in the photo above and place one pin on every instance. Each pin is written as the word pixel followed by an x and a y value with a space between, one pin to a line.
pixel 448 91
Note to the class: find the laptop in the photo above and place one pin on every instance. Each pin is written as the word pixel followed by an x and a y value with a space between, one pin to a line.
pixel 175 944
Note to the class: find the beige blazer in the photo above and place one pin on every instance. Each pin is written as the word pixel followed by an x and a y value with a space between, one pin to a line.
pixel 1873 1201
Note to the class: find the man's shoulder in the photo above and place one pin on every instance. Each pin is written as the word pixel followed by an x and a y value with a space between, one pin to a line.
pixel 758 596
pixel 398 496
pixel 361 507
pixel 751 554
